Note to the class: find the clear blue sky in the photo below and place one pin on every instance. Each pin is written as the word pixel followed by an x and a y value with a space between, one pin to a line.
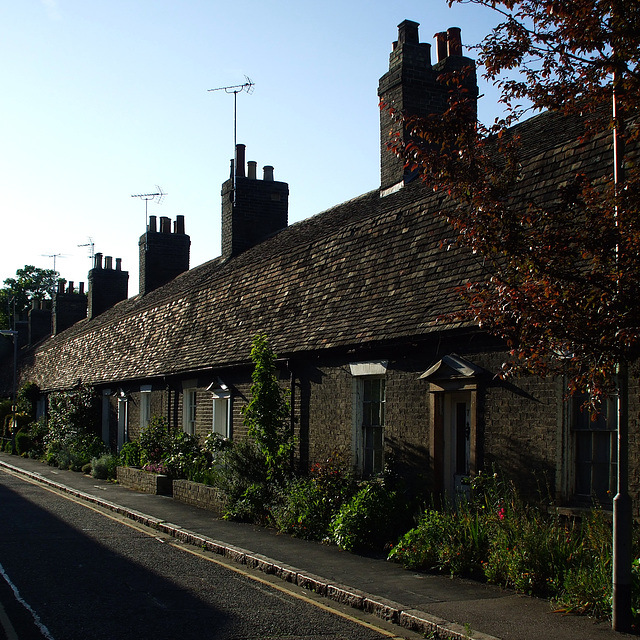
pixel 103 99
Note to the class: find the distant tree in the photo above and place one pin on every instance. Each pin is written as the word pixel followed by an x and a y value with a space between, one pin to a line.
pixel 562 277
pixel 30 283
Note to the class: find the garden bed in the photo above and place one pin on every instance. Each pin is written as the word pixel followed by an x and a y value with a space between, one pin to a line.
pixel 144 481
pixel 199 495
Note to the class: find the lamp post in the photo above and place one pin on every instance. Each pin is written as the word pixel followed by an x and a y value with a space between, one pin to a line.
pixel 14 336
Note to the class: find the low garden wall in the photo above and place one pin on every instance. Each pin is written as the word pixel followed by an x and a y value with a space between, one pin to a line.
pixel 198 495
pixel 144 481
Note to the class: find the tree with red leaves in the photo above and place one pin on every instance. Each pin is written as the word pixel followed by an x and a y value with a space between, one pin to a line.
pixel 563 272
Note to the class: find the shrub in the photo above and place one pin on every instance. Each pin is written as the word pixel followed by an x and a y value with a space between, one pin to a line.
pixel 72 412
pixel 308 504
pixel 454 541
pixel 61 459
pixel 27 398
pixel 131 454
pixel 70 440
pixel 586 587
pixel 253 505
pixel 5 412
pixel 104 467
pixel 207 467
pixel 154 441
pixel 420 547
pixel 37 432
pixel 241 469
pixel 184 455
pixel 369 520
pixel 527 547
pixel 23 443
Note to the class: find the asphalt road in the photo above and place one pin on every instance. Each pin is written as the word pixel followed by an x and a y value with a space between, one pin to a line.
pixel 68 570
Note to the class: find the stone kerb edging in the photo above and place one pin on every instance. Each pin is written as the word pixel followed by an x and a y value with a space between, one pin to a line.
pixel 412 619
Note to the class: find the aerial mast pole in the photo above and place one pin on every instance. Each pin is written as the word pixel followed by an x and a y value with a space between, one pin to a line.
pixel 236 89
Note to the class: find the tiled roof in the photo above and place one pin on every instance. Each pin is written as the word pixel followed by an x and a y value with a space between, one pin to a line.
pixel 371 269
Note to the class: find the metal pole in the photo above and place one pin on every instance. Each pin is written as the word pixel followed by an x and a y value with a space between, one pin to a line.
pixel 14 408
pixel 622 519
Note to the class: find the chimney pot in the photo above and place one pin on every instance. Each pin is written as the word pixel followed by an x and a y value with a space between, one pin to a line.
pixel 108 262
pixel 118 264
pixel 268 173
pixel 252 166
pixel 441 39
pixel 61 284
pixel 81 288
pixel 152 224
pixel 240 149
pixel 70 287
pixel 454 39
pixel 178 226
pixel 97 261
pixel 408 32
pixel 165 224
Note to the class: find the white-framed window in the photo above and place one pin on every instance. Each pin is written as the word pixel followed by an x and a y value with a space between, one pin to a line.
pixel 369 415
pixel 189 405
pixel 221 412
pixel 123 420
pixel 595 439
pixel 145 405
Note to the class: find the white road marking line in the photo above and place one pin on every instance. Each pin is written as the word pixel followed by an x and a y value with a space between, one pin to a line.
pixel 45 632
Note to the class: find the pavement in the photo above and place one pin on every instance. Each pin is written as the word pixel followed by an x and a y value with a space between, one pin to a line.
pixel 438 606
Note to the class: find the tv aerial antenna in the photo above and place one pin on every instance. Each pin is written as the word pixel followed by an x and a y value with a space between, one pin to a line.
pixel 91 246
pixel 158 196
pixel 54 256
pixel 247 87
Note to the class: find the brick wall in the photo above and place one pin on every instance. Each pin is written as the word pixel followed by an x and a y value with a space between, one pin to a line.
pixel 522 422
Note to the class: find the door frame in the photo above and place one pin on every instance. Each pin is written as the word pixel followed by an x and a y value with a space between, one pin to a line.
pixel 440 403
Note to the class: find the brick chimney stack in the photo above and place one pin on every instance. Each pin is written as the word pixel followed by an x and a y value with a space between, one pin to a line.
pixel 69 306
pixel 411 87
pixel 252 209
pixel 107 286
pixel 163 254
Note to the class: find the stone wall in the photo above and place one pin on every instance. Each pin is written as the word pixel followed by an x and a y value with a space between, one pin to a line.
pixel 144 481
pixel 198 495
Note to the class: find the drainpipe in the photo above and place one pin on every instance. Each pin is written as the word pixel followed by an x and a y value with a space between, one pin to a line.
pixel 292 418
